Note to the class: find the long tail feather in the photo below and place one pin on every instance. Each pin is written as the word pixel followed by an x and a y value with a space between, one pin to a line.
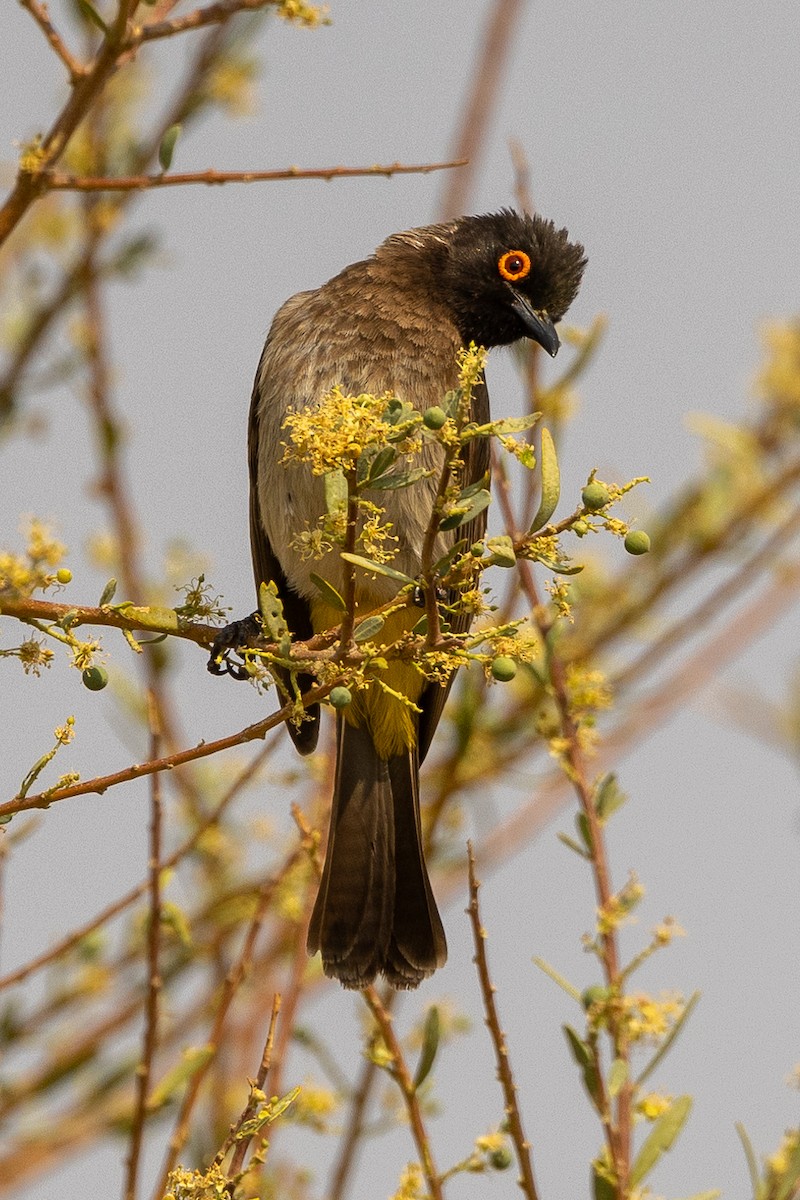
pixel 375 912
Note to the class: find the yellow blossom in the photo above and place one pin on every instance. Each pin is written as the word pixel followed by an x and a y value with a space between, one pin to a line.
pixel 410 1184
pixel 667 930
pixel 648 1019
pixel 618 907
pixel 652 1105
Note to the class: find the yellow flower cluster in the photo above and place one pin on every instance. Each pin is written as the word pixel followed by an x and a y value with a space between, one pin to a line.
pixel 778 1164
pixel 310 15
pixel 332 435
pixel 410 1184
pixel 618 907
pixel 652 1105
pixel 647 1019
pixel 33 572
pixel 197 1185
pixel 313 1106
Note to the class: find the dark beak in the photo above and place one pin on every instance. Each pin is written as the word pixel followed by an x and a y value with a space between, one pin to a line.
pixel 538 325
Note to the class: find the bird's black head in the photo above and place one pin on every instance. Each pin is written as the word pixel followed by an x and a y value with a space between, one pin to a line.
pixel 509 276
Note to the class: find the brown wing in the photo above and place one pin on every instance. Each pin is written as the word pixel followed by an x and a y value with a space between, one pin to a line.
pixel 477 463
pixel 266 568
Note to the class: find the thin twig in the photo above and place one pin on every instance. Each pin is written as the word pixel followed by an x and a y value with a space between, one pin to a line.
pixel 213 14
pixel 400 1073
pixel 202 750
pixel 150 1037
pixel 350 1140
pixel 521 1144
pixel 60 181
pixel 42 18
pixel 118 906
pixel 233 981
pixel 250 1110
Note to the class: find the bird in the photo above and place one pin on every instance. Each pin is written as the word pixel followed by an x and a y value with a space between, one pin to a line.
pixel 391 323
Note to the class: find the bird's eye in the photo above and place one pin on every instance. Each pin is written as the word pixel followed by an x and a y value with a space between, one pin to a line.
pixel 514 265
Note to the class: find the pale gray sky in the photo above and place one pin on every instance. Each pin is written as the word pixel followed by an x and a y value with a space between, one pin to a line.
pixel 661 136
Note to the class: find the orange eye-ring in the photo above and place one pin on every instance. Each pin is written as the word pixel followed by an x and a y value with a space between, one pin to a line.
pixel 514 265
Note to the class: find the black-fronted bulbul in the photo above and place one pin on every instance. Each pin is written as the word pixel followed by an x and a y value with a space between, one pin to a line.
pixel 394 322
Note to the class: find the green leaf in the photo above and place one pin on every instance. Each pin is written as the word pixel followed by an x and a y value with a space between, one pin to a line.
pixel 559 568
pixel 669 1040
pixel 584 829
pixel 381 462
pixel 92 15
pixel 582 1053
pixel 167 147
pixel 443 565
pixel 750 1155
pixel 368 628
pixel 460 516
pixel 608 797
pixel 375 568
pixel 192 1061
pixel 557 977
pixel 603 1187
pixel 107 594
pixel 403 479
pixel 501 551
pixel 617 1076
pixel 581 1050
pixel 507 425
pixel 661 1138
pixel 473 488
pixel 328 592
pixel 335 492
pixel 551 482
pixel 271 609
pixel 571 844
pixel 430 1045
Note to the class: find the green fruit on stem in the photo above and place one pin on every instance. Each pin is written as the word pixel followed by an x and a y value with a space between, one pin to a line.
pixel 340 697
pixel 94 678
pixel 637 541
pixel 503 669
pixel 434 417
pixel 595 496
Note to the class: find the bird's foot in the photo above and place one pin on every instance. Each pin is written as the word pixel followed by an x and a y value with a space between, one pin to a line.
pixel 231 640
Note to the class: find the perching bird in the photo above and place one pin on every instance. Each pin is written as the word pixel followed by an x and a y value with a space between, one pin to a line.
pixel 394 322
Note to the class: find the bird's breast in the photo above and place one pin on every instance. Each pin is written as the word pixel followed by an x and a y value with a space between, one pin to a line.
pixel 360 346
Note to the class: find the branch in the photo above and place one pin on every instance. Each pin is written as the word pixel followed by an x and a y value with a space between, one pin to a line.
pixel 516 1132
pixel 42 18
pixel 203 749
pixel 400 1073
pixel 213 14
pixel 133 617
pixel 150 1036
pixel 64 182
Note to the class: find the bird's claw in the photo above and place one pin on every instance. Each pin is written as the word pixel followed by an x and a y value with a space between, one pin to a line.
pixel 232 639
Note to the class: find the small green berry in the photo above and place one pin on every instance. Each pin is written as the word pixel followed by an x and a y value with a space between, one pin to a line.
pixel 637 541
pixel 501 1158
pixel 477 549
pixel 595 496
pixel 503 669
pixel 581 528
pixel 434 417
pixel 63 575
pixel 95 678
pixel 340 697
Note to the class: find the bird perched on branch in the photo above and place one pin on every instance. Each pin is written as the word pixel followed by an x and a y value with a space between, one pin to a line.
pixel 392 323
